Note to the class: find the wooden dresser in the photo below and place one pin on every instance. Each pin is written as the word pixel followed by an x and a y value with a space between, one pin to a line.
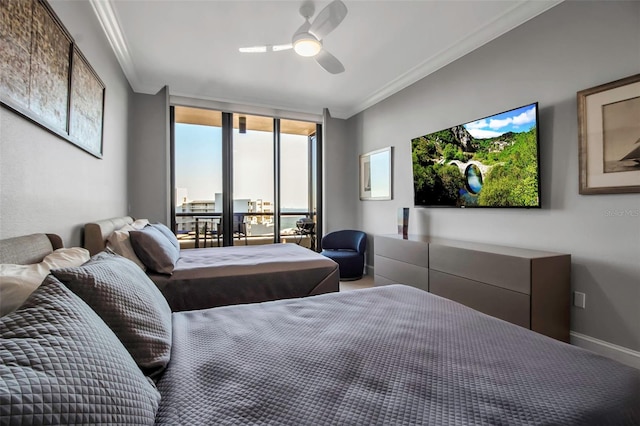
pixel 529 288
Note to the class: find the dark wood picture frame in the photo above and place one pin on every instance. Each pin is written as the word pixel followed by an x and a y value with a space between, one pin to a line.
pixel 609 136
pixel 46 79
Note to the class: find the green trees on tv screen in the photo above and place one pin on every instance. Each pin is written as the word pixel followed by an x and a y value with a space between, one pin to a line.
pixel 509 163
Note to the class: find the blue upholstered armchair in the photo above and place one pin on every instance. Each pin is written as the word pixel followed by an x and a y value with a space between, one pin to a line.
pixel 347 249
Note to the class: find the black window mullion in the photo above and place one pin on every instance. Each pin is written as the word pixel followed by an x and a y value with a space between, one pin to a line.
pixel 172 169
pixel 310 174
pixel 318 187
pixel 276 180
pixel 227 179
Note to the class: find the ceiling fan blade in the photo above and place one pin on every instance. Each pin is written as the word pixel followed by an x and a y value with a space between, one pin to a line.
pixel 328 19
pixel 267 48
pixel 253 49
pixel 281 47
pixel 329 62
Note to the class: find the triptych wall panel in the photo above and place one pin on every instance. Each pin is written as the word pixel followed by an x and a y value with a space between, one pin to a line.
pixel 45 77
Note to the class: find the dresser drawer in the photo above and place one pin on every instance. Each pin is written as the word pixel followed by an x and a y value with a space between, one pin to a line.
pixel 509 272
pixel 413 252
pixel 401 272
pixel 495 301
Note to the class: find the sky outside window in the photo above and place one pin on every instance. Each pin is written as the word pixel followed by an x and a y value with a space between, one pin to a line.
pixel 198 162
pixel 198 165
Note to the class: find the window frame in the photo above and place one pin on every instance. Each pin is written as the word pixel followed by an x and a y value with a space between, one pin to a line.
pixel 314 145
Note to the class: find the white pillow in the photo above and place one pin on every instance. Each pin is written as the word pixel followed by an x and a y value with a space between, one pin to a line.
pixel 120 243
pixel 17 282
pixel 139 224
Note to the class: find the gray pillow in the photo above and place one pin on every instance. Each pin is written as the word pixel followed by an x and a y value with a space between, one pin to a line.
pixel 167 233
pixel 61 364
pixel 154 249
pixel 129 302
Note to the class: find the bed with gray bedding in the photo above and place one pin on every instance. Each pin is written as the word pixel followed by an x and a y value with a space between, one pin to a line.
pixel 219 276
pixel 392 355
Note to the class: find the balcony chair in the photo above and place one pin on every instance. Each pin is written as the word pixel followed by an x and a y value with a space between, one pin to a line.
pixel 239 228
pixel 346 248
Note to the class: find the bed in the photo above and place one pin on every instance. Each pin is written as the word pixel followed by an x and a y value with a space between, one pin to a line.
pixel 219 276
pixel 393 355
pixel 28 248
pixel 387 355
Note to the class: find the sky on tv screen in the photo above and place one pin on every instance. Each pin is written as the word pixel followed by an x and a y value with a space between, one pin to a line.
pixel 517 120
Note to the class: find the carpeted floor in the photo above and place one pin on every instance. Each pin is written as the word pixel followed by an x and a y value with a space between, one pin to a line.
pixel 364 282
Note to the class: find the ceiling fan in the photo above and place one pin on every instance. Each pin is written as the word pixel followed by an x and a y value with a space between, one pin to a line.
pixel 307 40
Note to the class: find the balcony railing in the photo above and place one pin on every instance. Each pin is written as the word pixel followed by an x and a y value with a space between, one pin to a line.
pixel 197 228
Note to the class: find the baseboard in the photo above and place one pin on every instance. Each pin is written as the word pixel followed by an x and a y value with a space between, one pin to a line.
pixel 615 352
pixel 368 270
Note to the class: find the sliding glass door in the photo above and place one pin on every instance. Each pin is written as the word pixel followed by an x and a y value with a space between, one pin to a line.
pixel 262 169
pixel 297 215
pixel 253 179
pixel 198 178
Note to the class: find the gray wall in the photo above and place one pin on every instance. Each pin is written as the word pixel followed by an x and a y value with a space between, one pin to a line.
pixel 340 178
pixel 573 46
pixel 149 158
pixel 46 183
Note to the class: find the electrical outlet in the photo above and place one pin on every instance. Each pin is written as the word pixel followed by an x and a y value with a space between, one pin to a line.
pixel 579 299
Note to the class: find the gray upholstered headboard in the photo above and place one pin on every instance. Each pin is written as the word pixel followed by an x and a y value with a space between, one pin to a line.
pixel 96 233
pixel 28 249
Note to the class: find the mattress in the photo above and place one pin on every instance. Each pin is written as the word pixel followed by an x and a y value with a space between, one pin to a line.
pixel 219 276
pixel 388 355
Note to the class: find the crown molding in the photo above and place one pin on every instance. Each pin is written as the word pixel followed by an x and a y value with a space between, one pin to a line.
pixel 343 113
pixel 501 24
pixel 111 27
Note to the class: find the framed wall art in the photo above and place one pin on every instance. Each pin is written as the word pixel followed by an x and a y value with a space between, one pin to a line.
pixel 45 78
pixel 609 136
pixel 87 106
pixel 376 175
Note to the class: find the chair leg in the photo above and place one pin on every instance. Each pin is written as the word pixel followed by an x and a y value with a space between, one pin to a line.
pixel 204 244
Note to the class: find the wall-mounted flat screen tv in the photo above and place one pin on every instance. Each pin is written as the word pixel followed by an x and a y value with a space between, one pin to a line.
pixel 491 162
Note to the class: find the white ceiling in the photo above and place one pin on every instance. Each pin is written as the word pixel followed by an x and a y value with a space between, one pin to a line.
pixel 192 47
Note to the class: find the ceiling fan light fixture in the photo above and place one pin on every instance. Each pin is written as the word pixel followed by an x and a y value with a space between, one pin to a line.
pixel 306 45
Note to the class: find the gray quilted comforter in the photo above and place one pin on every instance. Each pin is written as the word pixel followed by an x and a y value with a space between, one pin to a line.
pixel 211 277
pixel 392 355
